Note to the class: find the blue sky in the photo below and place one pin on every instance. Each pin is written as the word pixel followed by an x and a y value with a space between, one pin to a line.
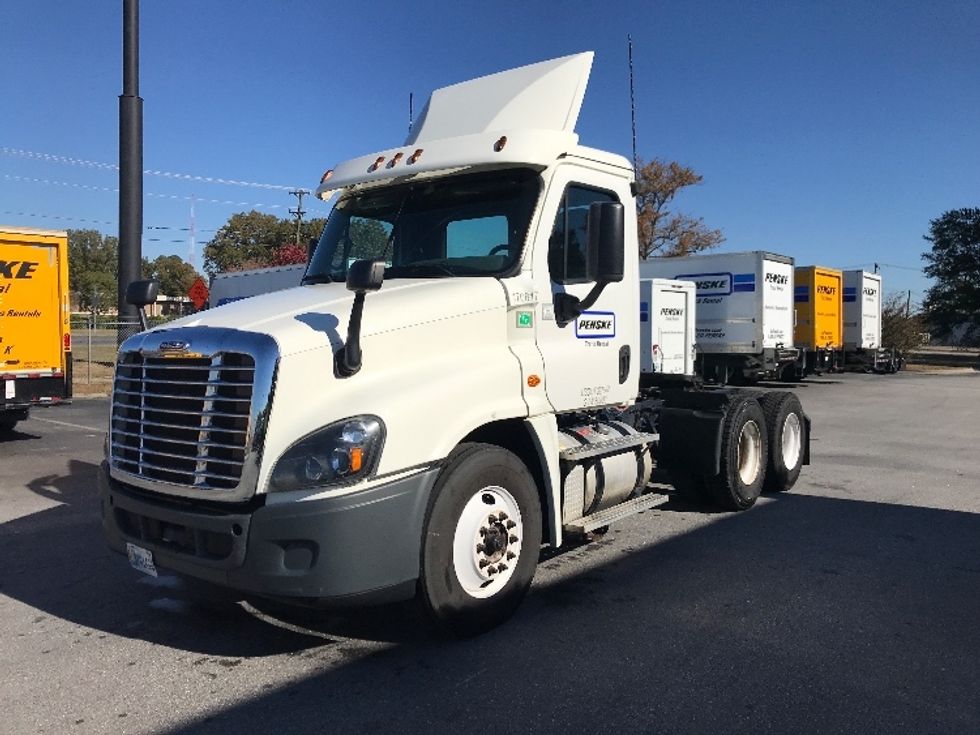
pixel 829 131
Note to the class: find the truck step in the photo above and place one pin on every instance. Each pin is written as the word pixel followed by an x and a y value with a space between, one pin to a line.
pixel 610 446
pixel 615 513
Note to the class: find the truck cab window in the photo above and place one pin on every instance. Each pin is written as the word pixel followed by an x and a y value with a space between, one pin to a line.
pixel 566 246
pixel 474 227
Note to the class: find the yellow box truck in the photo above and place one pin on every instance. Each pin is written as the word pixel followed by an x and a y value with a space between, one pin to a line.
pixel 819 331
pixel 35 335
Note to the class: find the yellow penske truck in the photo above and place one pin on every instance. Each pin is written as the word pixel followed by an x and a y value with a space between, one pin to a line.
pixel 35 334
pixel 819 319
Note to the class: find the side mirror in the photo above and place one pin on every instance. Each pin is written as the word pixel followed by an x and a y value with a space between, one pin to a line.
pixel 365 275
pixel 362 276
pixel 141 293
pixel 607 241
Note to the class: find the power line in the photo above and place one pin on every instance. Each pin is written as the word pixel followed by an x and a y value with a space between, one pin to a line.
pixel 68 160
pixel 111 190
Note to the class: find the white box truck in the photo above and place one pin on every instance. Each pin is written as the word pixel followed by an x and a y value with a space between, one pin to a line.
pixel 744 323
pixel 862 324
pixel 419 422
pixel 235 285
pixel 667 316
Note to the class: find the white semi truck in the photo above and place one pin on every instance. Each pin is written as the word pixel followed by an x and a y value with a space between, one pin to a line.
pixel 421 421
pixel 744 325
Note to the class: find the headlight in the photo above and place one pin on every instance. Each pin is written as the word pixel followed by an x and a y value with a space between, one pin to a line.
pixel 337 454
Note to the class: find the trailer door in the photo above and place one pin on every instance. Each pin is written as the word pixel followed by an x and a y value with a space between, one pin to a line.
pixel 30 309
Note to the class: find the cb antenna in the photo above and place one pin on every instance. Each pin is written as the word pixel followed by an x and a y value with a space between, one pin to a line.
pixel 629 40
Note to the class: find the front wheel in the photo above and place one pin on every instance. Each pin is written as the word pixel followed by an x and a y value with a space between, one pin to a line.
pixel 482 540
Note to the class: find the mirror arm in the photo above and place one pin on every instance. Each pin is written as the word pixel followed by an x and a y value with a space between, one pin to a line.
pixel 569 307
pixel 347 360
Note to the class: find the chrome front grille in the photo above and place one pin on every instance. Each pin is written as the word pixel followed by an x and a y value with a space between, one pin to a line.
pixel 182 420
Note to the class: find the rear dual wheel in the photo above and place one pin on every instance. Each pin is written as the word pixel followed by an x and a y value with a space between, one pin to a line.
pixel 787 439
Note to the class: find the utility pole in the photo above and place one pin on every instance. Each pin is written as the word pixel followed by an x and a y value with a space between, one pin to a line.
pixel 299 211
pixel 130 164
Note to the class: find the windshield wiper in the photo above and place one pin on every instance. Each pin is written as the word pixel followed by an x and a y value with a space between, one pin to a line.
pixel 319 278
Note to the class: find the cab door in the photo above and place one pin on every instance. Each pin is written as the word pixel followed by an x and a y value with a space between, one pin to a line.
pixel 589 361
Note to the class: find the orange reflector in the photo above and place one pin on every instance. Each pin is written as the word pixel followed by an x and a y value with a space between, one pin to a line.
pixel 326 175
pixel 356 459
pixel 533 381
pixel 499 145
pixel 67 342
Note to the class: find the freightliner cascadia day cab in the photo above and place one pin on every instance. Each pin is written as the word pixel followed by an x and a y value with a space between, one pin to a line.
pixel 862 325
pixel 744 323
pixel 455 384
pixel 819 329
pixel 235 285
pixel 35 321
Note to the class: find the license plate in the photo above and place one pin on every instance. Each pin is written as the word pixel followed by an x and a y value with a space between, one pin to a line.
pixel 141 559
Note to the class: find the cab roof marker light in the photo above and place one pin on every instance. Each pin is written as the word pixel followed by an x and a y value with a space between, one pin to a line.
pixel 377 163
pixel 499 145
pixel 415 156
pixel 395 159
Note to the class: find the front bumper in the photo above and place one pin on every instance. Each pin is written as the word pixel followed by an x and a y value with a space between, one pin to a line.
pixel 355 549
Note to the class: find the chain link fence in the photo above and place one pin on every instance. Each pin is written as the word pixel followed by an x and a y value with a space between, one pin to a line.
pixel 95 341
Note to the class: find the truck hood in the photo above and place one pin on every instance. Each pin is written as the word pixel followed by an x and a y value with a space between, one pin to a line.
pixel 316 316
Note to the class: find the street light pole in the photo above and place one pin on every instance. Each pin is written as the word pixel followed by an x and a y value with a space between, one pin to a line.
pixel 130 163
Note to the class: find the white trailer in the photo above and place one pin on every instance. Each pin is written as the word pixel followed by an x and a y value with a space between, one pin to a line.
pixel 418 422
pixel 235 285
pixel 862 324
pixel 667 315
pixel 744 323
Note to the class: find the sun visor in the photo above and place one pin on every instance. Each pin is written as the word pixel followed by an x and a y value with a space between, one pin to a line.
pixel 543 96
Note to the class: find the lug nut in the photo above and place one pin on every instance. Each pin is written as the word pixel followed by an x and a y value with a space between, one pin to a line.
pixel 492 518
pixel 480 548
pixel 501 567
pixel 510 524
pixel 513 539
pixel 483 531
pixel 501 516
pixel 491 570
pixel 510 555
pixel 483 563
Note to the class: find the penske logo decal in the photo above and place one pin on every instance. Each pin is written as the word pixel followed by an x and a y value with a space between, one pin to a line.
pixel 710 284
pixel 671 311
pixel 777 278
pixel 826 290
pixel 17 268
pixel 596 325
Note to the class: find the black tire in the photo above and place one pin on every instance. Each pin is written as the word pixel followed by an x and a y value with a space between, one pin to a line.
pixel 738 485
pixel 7 425
pixel 472 596
pixel 784 419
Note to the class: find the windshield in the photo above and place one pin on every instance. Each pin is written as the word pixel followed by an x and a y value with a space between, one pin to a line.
pixel 470 225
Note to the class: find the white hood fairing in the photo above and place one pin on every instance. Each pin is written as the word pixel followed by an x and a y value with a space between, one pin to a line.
pixel 436 363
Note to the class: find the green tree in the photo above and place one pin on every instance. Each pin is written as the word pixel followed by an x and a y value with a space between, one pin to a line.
pixel 175 275
pixel 93 264
pixel 251 239
pixel 954 262
pixel 660 231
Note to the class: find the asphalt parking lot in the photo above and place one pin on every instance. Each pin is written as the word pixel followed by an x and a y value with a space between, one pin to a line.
pixel 850 604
